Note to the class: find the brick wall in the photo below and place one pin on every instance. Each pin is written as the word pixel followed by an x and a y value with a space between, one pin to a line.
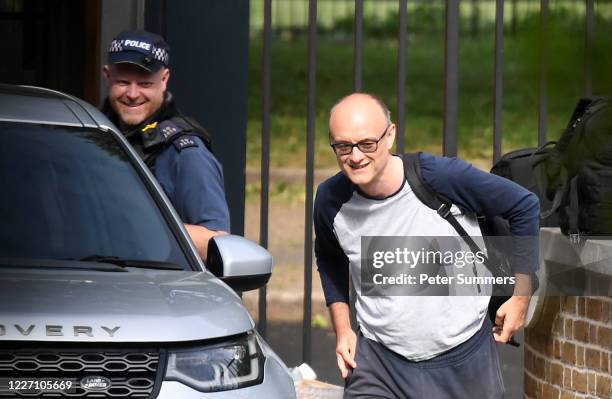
pixel 572 358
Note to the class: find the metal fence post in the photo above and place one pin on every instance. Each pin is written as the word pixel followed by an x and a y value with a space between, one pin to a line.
pixel 265 155
pixel 543 107
pixel 451 78
pixel 401 78
pixel 499 81
pixel 310 129
pixel 358 46
pixel 588 56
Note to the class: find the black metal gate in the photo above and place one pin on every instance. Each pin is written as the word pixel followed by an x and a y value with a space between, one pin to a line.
pixel 450 114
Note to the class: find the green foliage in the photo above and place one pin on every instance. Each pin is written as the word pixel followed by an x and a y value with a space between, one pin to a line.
pixel 563 62
pixel 320 321
pixel 423 18
pixel 289 193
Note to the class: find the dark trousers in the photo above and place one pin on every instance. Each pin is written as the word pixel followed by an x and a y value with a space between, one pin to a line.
pixel 468 371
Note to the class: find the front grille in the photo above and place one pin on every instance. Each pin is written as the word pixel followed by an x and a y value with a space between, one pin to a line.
pixel 132 373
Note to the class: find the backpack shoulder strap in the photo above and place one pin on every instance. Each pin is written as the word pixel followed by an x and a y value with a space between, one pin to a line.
pixel 428 196
pixel 423 191
pixel 579 110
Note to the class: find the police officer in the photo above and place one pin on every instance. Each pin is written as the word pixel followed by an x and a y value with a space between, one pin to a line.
pixel 175 147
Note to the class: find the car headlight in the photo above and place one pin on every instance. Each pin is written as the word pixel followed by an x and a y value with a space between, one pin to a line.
pixel 228 365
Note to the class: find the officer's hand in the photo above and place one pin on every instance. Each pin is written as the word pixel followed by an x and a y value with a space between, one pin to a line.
pixel 200 236
pixel 510 318
pixel 346 344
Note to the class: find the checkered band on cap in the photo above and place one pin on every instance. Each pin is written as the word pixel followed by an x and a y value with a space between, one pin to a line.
pixel 158 53
pixel 116 46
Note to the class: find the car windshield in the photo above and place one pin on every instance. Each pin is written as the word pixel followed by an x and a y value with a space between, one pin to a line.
pixel 68 193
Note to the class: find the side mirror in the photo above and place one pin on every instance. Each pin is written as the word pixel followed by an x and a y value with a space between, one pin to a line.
pixel 240 263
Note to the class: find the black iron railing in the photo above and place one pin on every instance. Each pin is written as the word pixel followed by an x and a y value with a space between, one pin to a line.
pixel 451 97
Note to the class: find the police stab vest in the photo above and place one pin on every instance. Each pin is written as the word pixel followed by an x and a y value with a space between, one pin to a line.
pixel 178 131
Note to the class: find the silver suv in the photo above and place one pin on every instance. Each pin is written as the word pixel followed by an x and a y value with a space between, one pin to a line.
pixel 102 293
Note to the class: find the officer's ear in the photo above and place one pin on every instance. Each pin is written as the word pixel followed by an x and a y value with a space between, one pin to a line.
pixel 106 72
pixel 165 77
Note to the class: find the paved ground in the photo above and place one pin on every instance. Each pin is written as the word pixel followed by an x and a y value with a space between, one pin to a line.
pixel 286 339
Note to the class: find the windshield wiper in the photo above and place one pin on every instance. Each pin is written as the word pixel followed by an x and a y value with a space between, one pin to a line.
pixel 35 263
pixel 137 263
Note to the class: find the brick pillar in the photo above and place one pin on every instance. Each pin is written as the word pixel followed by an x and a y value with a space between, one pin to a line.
pixel 572 359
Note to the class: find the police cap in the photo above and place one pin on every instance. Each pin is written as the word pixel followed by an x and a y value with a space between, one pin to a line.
pixel 145 49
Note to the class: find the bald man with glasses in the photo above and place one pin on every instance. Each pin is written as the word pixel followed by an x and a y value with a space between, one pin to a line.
pixel 408 346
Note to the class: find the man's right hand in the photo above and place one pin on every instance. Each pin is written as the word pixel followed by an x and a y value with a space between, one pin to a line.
pixel 346 343
pixel 346 339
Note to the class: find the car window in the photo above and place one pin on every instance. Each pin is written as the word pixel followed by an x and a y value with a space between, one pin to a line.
pixel 68 193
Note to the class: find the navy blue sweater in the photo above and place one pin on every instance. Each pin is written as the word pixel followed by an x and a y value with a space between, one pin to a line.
pixel 469 188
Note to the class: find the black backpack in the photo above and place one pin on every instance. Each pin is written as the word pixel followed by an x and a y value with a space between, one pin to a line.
pixel 527 167
pixel 497 260
pixel 579 170
pixel 573 178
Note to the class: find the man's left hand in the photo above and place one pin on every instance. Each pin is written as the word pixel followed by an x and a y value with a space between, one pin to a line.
pixel 510 316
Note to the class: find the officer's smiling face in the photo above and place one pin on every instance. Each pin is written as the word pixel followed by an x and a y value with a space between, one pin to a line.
pixel 135 93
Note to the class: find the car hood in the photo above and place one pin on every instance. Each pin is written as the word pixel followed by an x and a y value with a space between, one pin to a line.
pixel 134 306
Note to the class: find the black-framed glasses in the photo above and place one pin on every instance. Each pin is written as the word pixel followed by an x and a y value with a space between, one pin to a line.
pixel 365 146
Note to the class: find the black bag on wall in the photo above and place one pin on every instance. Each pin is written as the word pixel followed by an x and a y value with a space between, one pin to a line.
pixel 573 178
pixel 527 167
pixel 580 167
